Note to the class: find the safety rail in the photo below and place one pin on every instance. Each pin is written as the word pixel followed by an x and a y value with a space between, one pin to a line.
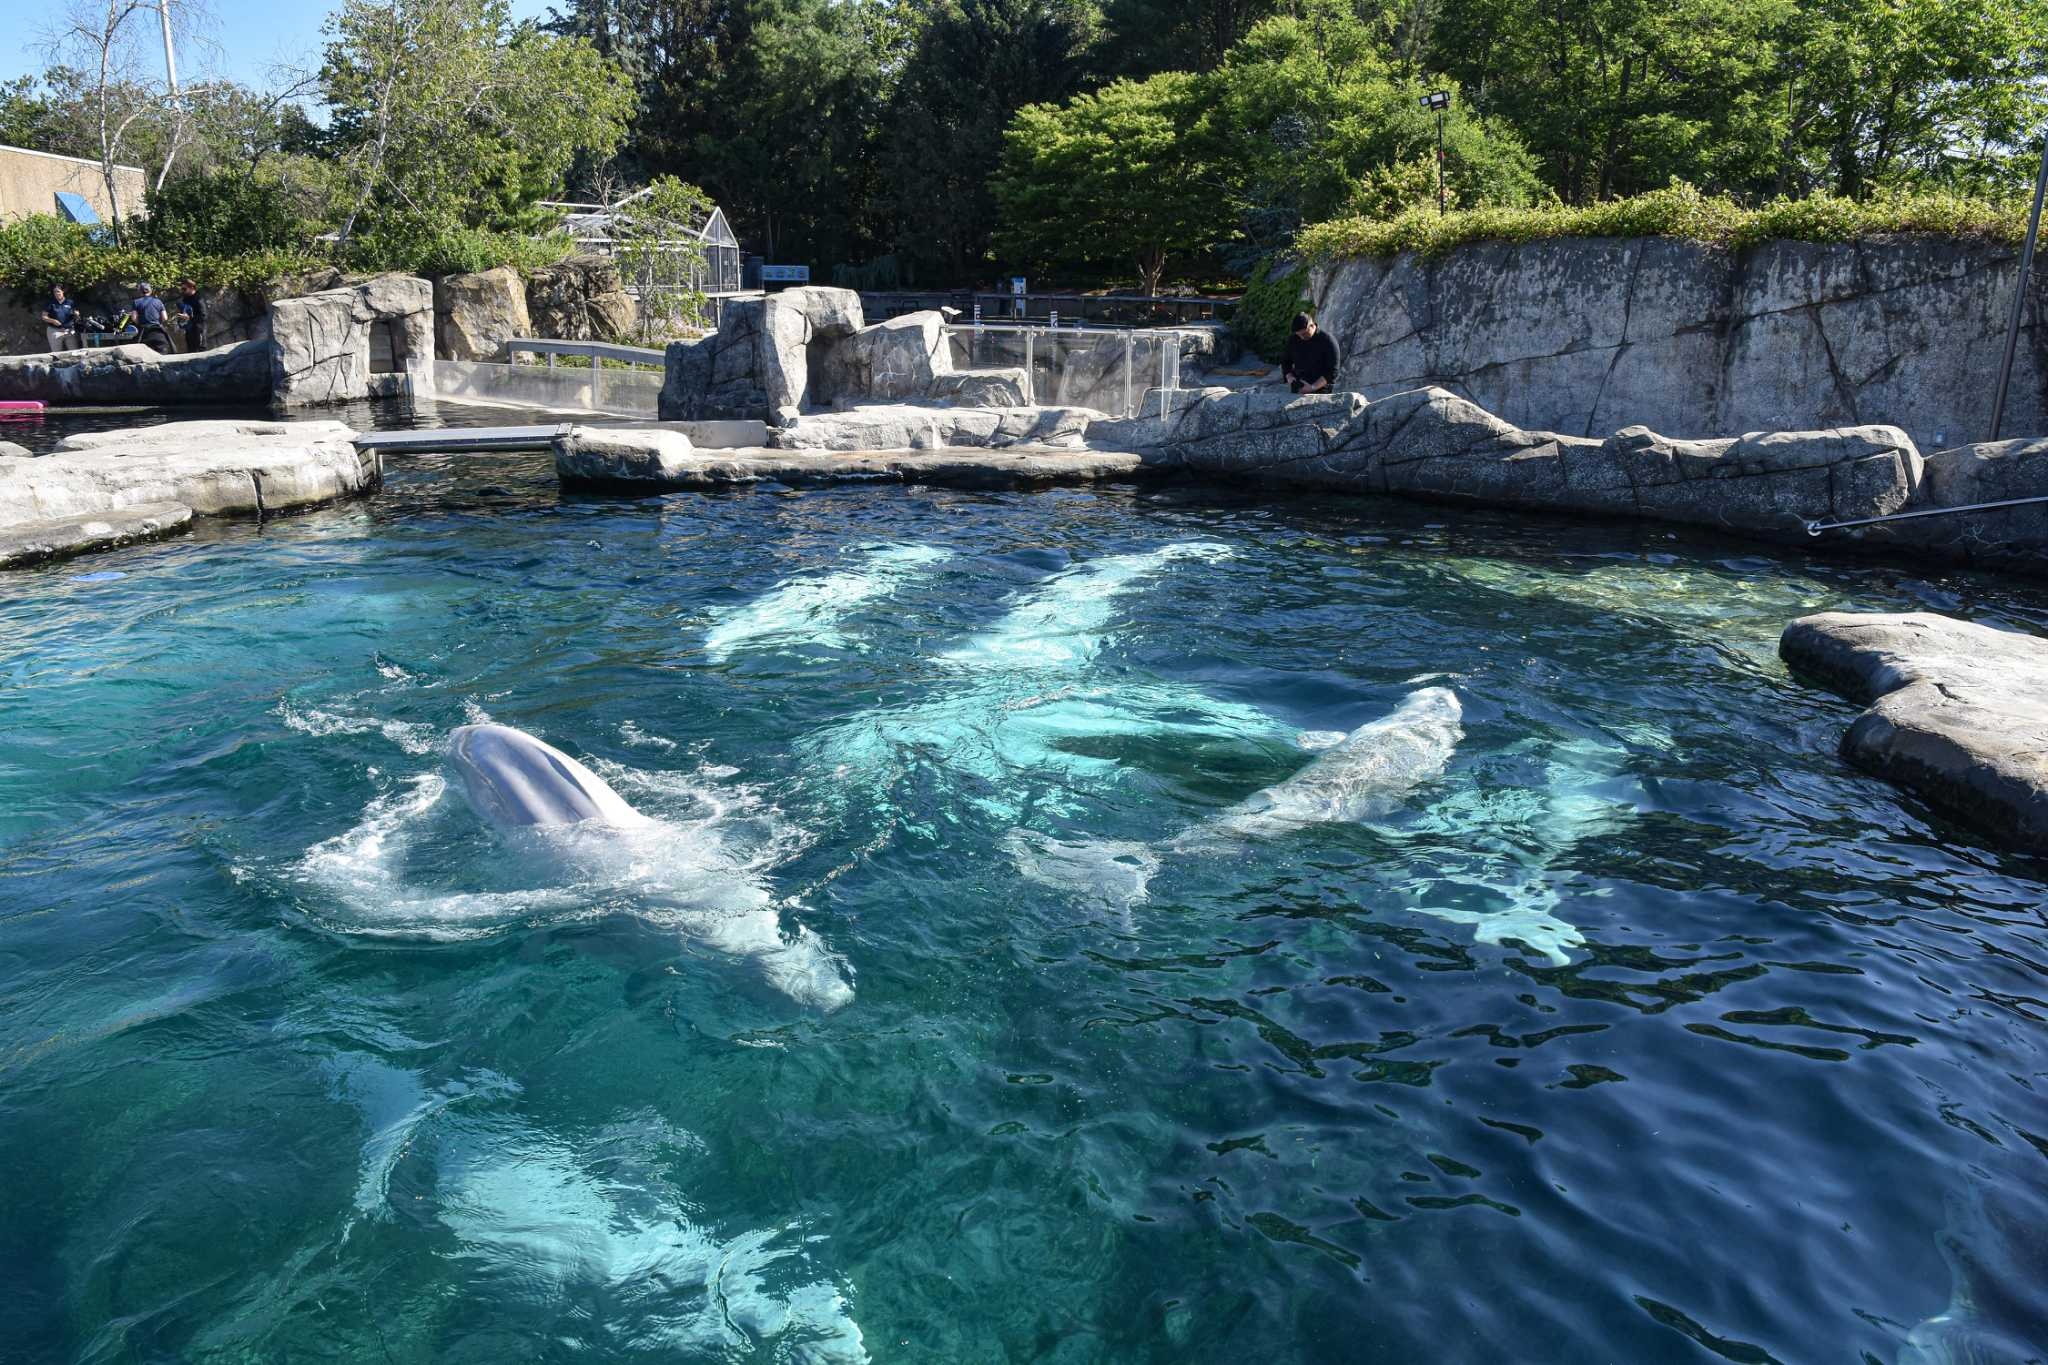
pixel 596 350
pixel 1045 340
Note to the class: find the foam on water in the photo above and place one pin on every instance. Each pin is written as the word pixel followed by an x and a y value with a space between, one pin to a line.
pixel 411 865
pixel 810 610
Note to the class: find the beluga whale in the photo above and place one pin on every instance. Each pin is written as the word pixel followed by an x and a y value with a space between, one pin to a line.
pixel 676 875
pixel 1370 772
pixel 513 779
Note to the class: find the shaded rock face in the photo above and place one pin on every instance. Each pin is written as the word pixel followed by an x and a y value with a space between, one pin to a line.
pixel 475 315
pixel 766 361
pixel 891 362
pixel 227 377
pixel 1007 388
pixel 214 468
pixel 580 299
pixel 622 458
pixel 1433 443
pixel 33 542
pixel 1958 712
pixel 1582 336
pixel 365 339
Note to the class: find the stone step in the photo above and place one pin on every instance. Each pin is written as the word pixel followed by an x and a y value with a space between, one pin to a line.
pixel 32 542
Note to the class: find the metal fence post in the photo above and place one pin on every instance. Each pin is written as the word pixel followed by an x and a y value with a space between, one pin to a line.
pixel 2019 295
pixel 1030 375
pixel 1130 357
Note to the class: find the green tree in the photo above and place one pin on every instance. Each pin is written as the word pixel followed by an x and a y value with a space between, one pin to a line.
pixel 1125 175
pixel 1317 121
pixel 661 258
pixel 975 63
pixel 1619 96
pixel 1143 37
pixel 1893 93
pixel 445 112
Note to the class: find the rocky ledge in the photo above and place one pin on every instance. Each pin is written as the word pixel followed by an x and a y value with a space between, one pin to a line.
pixel 655 460
pixel 1958 712
pixel 228 376
pixel 104 488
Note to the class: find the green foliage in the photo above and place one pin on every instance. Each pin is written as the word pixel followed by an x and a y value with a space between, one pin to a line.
pixel 662 258
pixel 975 63
pixel 1127 175
pixel 1265 315
pixel 423 244
pixel 1679 211
pixel 40 251
pixel 444 111
pixel 221 213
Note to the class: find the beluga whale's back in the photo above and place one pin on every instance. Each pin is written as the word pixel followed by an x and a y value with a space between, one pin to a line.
pixel 514 779
pixel 1367 774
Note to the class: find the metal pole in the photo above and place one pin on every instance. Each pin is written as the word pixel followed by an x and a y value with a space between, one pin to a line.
pixel 1441 208
pixel 163 10
pixel 2019 294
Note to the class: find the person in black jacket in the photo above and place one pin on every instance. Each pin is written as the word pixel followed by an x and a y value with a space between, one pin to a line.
pixel 191 315
pixel 1311 364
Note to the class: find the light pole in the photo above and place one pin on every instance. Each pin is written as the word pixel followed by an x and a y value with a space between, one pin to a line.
pixel 2019 294
pixel 1439 100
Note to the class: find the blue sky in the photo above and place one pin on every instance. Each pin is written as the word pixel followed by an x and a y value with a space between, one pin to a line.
pixel 250 36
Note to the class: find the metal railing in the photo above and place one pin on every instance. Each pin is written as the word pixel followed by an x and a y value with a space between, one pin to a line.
pixel 1112 387
pixel 597 351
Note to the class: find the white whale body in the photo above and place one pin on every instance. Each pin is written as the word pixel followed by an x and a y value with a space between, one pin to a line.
pixel 1368 773
pixel 513 779
pixel 568 821
pixel 810 611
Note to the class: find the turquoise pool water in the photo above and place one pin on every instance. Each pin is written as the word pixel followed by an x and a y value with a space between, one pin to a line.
pixel 962 1001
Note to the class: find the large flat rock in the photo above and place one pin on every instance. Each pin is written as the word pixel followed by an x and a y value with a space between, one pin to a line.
pixel 215 468
pixel 1958 711
pixel 645 462
pixel 32 542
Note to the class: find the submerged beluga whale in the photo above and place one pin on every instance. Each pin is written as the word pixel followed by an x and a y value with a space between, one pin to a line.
pixel 682 879
pixel 1368 773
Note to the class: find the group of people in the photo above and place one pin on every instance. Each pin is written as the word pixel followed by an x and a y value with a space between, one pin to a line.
pixel 148 320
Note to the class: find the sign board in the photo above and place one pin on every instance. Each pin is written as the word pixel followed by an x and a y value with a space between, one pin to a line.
pixel 785 274
pixel 1017 284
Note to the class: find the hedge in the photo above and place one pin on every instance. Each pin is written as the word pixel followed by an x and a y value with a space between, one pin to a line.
pixel 1680 211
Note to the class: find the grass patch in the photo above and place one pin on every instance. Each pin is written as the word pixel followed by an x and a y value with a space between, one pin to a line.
pixel 1680 211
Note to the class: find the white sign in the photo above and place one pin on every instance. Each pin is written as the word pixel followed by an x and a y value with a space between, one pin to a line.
pixel 1017 284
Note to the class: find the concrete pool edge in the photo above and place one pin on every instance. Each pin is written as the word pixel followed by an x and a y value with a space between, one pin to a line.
pixel 1956 712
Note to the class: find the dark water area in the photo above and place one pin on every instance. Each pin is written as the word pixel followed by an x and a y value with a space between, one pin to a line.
pixel 942 1013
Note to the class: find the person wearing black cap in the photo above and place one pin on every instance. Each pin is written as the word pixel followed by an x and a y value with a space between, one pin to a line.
pixel 1311 364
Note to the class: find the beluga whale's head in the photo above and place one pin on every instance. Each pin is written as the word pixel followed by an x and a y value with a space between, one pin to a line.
pixel 513 779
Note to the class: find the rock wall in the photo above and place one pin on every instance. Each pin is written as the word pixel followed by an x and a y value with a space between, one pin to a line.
pixel 232 376
pixel 1581 336
pixel 475 315
pixel 580 299
pixel 767 362
pixel 367 339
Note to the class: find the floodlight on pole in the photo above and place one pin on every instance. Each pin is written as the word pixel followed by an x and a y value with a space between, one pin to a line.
pixel 1438 100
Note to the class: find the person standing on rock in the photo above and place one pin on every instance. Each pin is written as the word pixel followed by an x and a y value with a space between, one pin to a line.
pixel 1311 364
pixel 191 315
pixel 60 321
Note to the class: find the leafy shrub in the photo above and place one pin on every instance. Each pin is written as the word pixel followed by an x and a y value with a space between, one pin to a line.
pixel 221 214
pixel 39 251
pixel 420 244
pixel 1679 211
pixel 1265 313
